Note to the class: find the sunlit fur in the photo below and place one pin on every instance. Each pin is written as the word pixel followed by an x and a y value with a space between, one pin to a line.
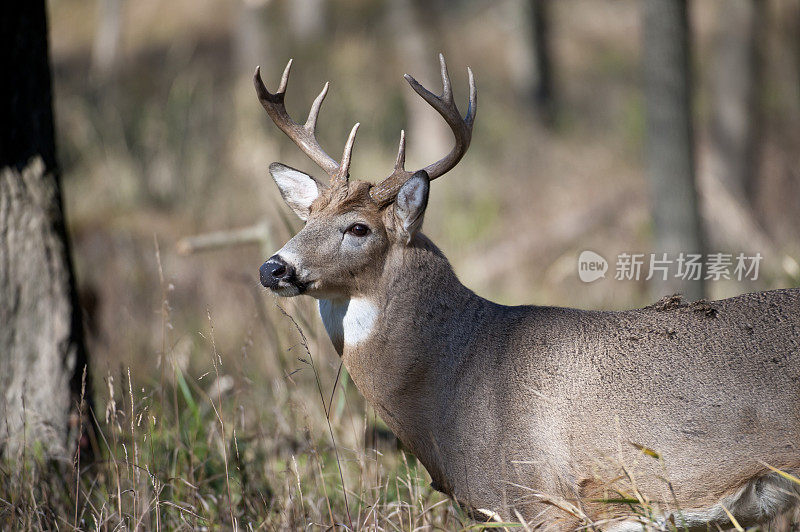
pixel 348 321
pixel 557 414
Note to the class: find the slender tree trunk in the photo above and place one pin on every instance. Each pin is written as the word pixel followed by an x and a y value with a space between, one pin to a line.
pixel 669 144
pixel 307 20
pixel 735 73
pixel 251 45
pixel 42 354
pixel 542 90
pixel 107 40
pixel 530 55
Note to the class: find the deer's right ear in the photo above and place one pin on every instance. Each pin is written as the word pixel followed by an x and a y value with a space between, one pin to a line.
pixel 298 190
pixel 409 207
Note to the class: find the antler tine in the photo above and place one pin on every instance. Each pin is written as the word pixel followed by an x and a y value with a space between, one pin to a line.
pixel 386 190
pixel 472 108
pixel 447 90
pixel 303 135
pixel 313 114
pixel 344 169
pixel 400 162
pixel 285 77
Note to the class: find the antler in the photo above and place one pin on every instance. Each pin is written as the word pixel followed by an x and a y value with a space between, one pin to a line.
pixel 304 135
pixel 386 190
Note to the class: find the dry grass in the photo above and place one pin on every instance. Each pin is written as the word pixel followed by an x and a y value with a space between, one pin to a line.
pixel 225 449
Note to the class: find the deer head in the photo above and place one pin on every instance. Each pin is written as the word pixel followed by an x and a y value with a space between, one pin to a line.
pixel 351 225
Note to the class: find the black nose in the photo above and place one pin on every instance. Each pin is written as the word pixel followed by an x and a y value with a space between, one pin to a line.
pixel 275 270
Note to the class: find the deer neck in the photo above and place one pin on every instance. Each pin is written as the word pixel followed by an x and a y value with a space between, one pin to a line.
pixel 397 340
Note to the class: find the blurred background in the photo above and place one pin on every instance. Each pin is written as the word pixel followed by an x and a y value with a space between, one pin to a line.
pixel 160 137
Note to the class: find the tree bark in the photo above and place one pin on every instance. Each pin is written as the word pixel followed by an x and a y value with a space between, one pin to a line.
pixel 42 353
pixel 669 143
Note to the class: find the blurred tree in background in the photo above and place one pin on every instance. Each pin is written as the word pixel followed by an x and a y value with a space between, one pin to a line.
pixel 735 74
pixel 42 352
pixel 108 40
pixel 670 141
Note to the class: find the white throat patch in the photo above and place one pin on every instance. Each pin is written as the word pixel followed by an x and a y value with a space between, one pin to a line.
pixel 349 321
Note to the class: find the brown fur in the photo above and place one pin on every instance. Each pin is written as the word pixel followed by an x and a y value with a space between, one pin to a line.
pixel 513 409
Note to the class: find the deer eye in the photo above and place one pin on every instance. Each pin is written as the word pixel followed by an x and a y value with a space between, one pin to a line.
pixel 358 230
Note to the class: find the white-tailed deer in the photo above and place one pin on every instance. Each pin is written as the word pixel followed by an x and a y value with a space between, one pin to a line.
pixel 672 415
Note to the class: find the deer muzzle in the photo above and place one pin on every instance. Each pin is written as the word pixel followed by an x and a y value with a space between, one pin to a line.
pixel 276 274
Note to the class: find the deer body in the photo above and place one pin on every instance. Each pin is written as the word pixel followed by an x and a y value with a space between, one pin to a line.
pixel 503 403
pixel 559 416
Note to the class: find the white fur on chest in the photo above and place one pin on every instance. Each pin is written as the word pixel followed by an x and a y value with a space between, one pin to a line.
pixel 349 321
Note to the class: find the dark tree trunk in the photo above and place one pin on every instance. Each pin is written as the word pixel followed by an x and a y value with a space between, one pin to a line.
pixel 542 90
pixel 669 143
pixel 42 354
pixel 530 55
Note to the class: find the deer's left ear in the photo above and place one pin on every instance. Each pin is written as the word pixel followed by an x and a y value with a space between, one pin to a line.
pixel 299 190
pixel 409 208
